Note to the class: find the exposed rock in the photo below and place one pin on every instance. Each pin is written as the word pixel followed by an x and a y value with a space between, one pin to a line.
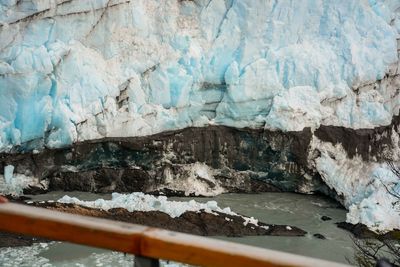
pixel 362 231
pixel 35 190
pixel 358 230
pixel 236 160
pixel 220 159
pixel 326 218
pixel 369 143
pixel 319 236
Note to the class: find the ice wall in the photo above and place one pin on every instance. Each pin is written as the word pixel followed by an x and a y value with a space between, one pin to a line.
pixel 77 70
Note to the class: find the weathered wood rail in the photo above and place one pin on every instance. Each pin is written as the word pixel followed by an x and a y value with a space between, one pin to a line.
pixel 142 241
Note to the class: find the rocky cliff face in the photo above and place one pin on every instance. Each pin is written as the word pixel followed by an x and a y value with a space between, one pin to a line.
pixel 203 161
pixel 203 97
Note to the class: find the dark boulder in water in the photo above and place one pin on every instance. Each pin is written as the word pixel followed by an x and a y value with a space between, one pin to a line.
pixel 319 236
pixel 361 231
pixel 326 218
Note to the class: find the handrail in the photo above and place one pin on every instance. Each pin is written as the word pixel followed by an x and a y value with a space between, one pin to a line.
pixel 143 241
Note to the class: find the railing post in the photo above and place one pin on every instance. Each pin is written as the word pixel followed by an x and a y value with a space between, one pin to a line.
pixel 145 262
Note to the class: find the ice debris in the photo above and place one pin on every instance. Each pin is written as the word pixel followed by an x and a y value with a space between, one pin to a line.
pixel 143 202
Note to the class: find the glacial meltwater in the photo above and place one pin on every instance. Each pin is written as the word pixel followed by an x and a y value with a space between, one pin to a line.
pixel 303 211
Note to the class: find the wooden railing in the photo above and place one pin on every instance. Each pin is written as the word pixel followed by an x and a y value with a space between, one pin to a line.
pixel 146 243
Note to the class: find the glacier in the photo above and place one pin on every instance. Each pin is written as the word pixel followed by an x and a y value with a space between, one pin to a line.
pixel 72 71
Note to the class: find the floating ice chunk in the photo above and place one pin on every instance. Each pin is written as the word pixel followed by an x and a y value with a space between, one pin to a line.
pixel 8 173
pixel 25 256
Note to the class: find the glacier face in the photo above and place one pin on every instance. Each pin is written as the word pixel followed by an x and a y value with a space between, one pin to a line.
pixel 367 188
pixel 72 70
pixel 81 70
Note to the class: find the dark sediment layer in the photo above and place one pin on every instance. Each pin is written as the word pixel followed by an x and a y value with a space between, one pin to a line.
pixel 368 143
pixel 242 160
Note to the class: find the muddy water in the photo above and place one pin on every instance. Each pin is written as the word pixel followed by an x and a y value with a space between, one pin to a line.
pixel 303 211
